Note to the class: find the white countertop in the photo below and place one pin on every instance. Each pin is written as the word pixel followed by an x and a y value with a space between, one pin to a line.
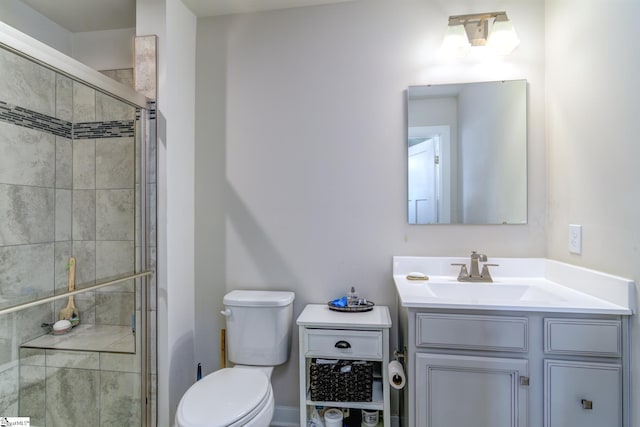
pixel 540 285
pixel 320 315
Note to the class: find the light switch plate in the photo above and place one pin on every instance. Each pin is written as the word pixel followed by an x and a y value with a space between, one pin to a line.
pixel 575 239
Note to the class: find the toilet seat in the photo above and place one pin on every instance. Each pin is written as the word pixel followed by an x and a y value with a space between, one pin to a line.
pixel 229 397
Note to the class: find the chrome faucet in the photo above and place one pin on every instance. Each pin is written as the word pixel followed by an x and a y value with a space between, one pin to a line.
pixel 475 275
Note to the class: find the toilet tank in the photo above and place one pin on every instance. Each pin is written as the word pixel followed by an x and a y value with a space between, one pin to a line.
pixel 259 326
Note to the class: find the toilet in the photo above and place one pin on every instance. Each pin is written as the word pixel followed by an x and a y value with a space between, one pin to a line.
pixel 258 338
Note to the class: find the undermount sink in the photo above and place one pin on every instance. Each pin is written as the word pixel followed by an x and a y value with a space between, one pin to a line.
pixel 489 292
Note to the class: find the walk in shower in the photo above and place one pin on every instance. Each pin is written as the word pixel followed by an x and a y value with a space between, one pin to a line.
pixel 77 181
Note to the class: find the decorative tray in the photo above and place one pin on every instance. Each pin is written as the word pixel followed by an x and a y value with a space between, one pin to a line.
pixel 352 308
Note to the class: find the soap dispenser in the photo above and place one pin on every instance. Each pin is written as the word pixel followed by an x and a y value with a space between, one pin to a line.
pixel 352 297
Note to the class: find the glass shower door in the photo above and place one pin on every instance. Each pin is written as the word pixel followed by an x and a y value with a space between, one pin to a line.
pixel 76 180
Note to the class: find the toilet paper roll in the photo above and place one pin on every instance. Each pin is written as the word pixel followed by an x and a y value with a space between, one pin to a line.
pixel 397 378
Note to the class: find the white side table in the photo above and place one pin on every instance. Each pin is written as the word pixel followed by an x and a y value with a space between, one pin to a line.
pixel 325 333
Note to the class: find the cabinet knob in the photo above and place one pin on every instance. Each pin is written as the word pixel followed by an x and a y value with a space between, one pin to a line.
pixel 343 345
pixel 586 404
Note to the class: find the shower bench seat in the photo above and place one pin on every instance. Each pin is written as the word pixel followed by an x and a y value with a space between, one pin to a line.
pixel 89 376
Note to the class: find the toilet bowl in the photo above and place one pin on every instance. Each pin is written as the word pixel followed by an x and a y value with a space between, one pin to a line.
pixel 258 338
pixel 230 397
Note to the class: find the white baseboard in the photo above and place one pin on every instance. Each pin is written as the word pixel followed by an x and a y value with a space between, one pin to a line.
pixel 289 416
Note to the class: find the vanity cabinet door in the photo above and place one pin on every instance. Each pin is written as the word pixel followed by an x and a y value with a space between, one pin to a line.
pixel 582 394
pixel 468 391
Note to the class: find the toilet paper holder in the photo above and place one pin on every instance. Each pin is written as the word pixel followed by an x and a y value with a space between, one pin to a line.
pixel 400 355
pixel 396 373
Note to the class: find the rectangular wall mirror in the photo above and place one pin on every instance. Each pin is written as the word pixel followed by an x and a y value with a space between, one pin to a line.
pixel 467 153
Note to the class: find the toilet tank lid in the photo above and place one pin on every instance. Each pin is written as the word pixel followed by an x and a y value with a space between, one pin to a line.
pixel 258 298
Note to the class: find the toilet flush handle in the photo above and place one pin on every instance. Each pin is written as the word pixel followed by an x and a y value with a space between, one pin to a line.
pixel 226 313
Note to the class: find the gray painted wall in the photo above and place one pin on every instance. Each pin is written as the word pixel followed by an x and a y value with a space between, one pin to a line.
pixel 300 152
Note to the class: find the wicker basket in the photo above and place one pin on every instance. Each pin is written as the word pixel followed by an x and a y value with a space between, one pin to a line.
pixel 340 380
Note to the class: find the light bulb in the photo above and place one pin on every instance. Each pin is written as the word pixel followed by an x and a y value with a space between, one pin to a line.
pixel 502 39
pixel 456 43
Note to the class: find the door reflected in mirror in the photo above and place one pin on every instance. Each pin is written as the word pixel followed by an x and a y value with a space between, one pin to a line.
pixel 467 153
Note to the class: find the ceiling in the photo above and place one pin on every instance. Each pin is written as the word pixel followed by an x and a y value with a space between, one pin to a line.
pixel 97 15
pixel 88 15
pixel 226 7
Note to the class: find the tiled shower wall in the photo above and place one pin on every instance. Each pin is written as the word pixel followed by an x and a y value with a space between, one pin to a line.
pixel 79 388
pixel 65 189
pixel 61 196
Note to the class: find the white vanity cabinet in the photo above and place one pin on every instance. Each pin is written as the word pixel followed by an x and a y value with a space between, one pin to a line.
pixel 475 368
pixel 356 337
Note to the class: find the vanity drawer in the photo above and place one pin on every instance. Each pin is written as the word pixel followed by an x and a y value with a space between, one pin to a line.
pixel 340 343
pixel 491 333
pixel 583 337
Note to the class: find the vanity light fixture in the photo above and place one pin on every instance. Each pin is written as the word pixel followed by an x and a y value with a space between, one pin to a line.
pixel 465 31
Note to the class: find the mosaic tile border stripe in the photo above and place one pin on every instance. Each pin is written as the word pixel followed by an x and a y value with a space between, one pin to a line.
pixel 90 130
pixel 30 119
pixel 94 130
